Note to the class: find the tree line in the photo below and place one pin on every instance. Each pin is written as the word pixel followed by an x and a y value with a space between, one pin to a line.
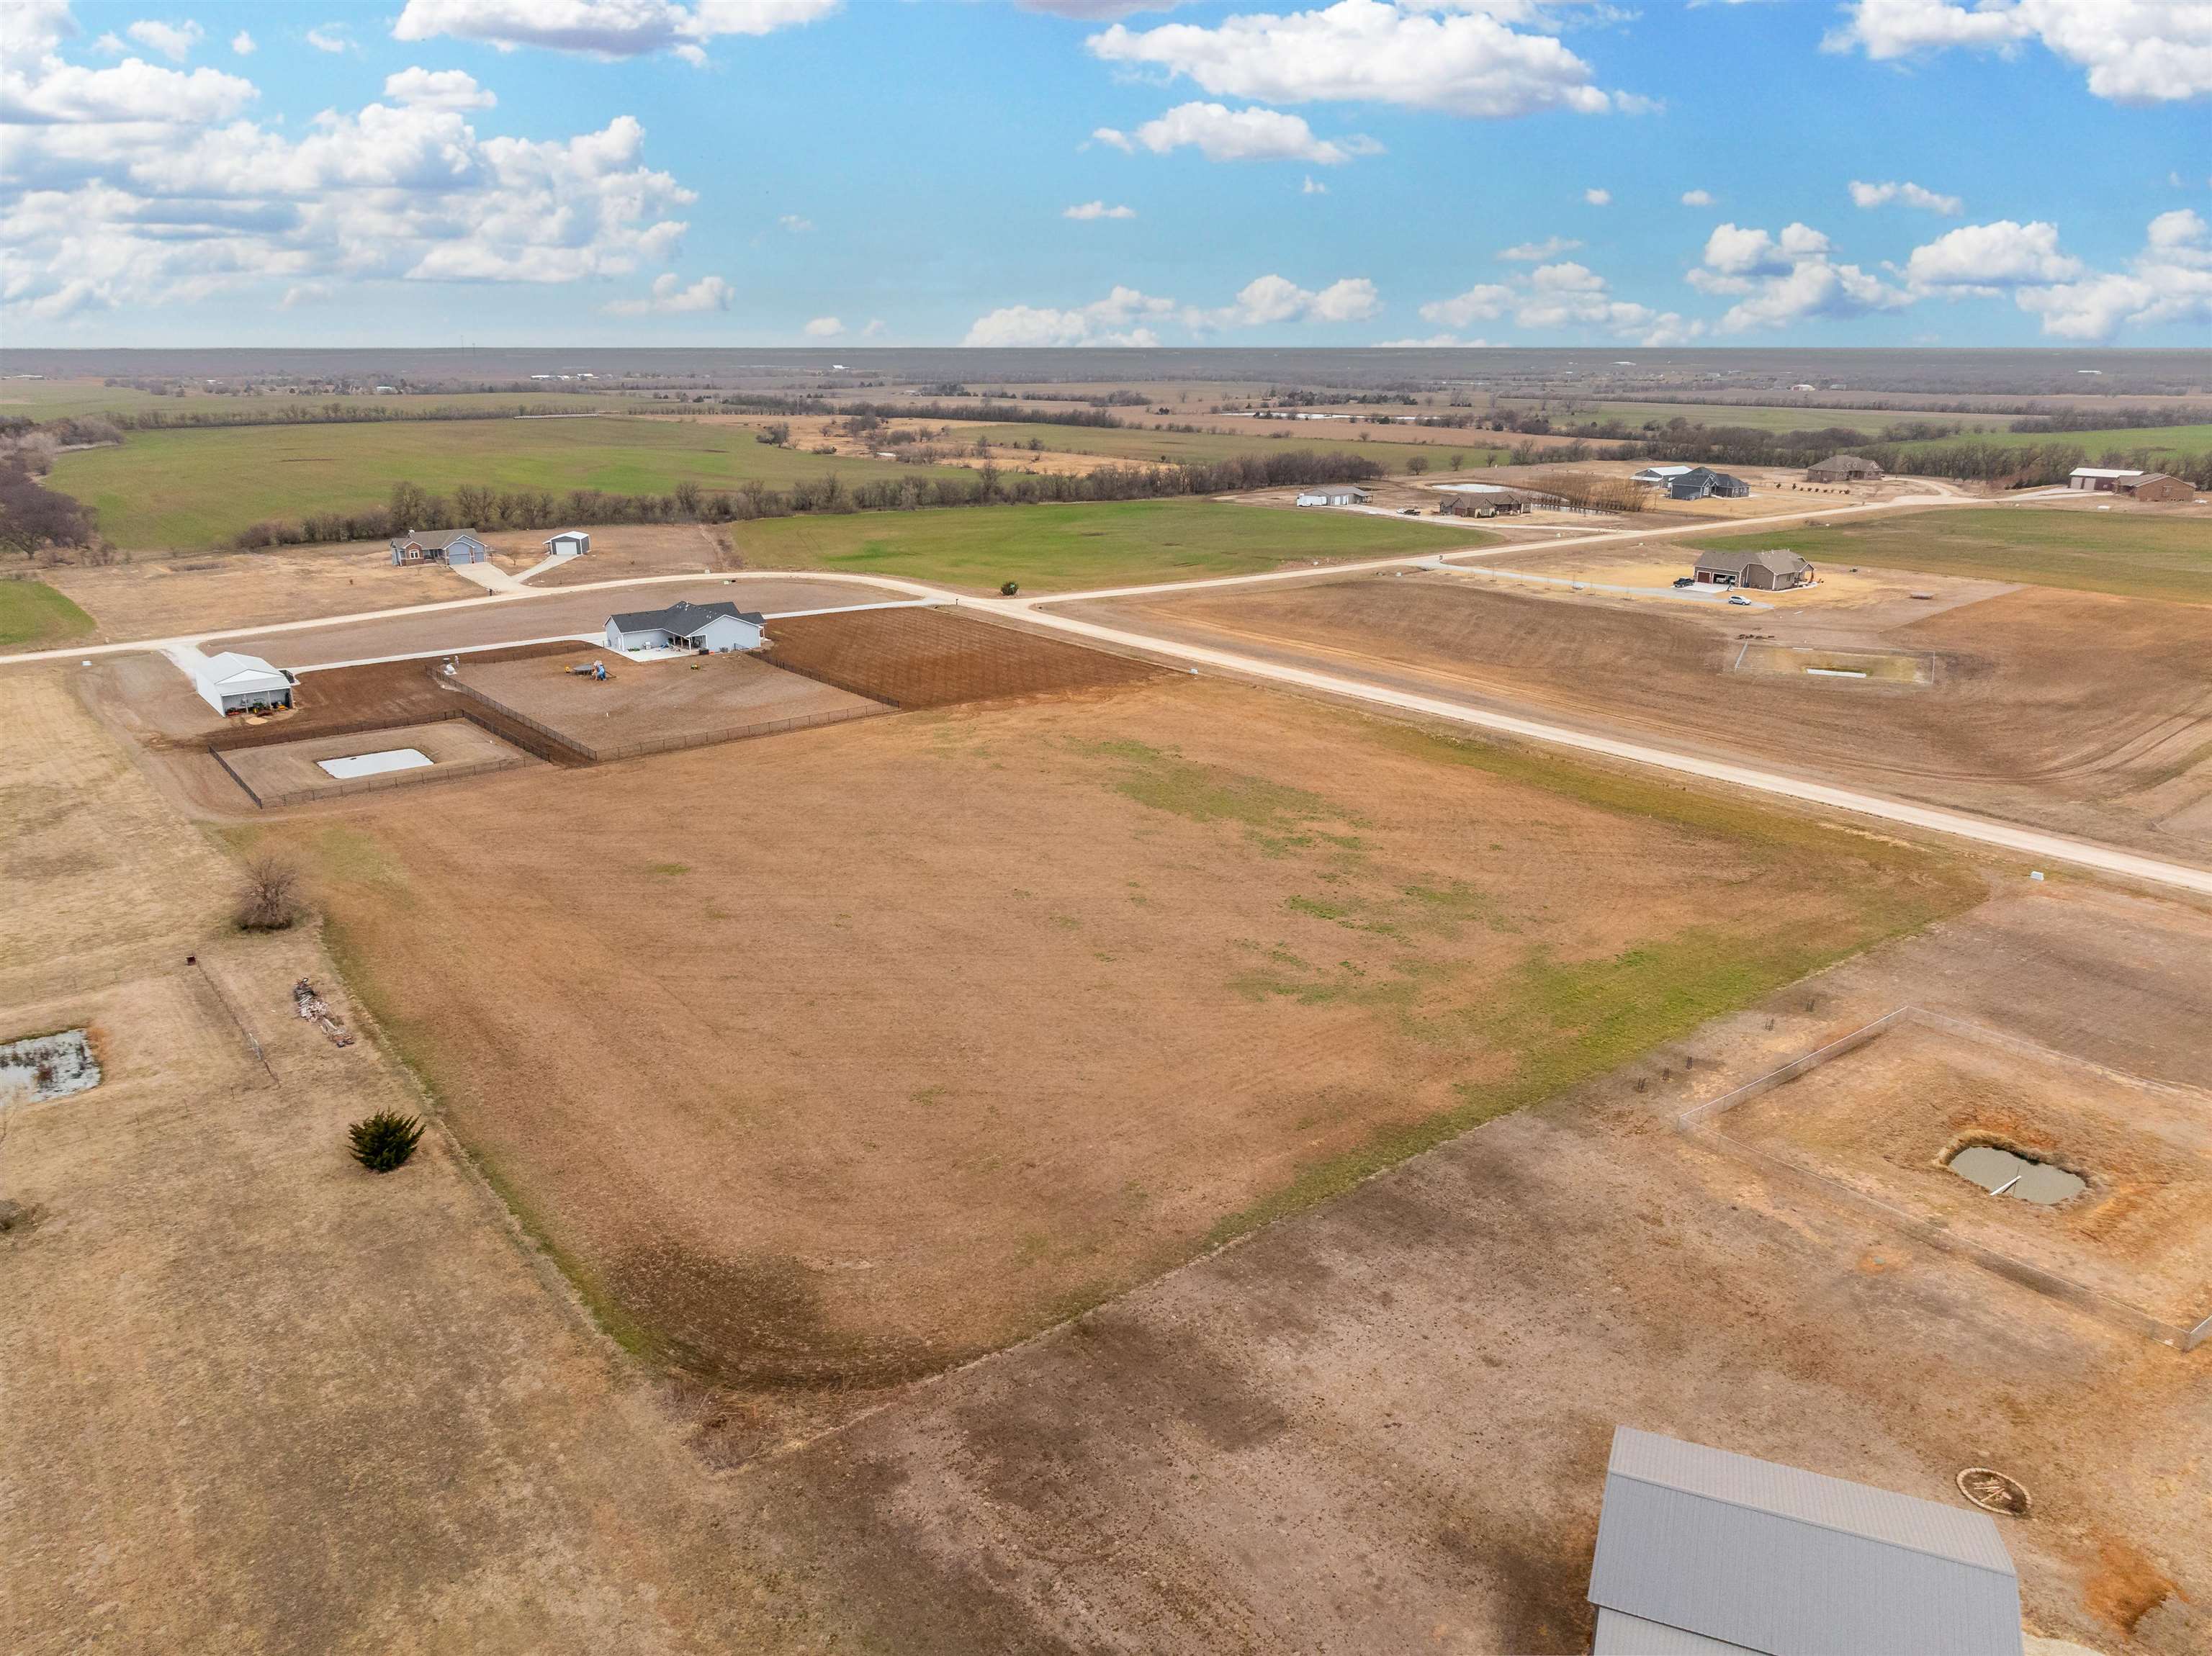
pixel 411 508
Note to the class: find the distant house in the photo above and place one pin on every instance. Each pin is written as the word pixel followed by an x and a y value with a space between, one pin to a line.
pixel 442 546
pixel 1700 481
pixel 1486 500
pixel 1660 477
pixel 1842 468
pixel 1334 495
pixel 709 629
pixel 1702 1550
pixel 1766 572
pixel 2101 480
pixel 2158 486
pixel 233 683
pixel 571 542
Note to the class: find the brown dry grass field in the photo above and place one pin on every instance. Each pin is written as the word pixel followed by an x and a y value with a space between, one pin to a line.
pixel 258 1399
pixel 157 597
pixel 829 1059
pixel 2075 711
pixel 1382 1426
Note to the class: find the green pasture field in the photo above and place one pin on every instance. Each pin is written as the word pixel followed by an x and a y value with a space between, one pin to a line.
pixel 1051 549
pixel 57 399
pixel 2126 554
pixel 1142 447
pixel 34 616
pixel 189 490
pixel 2175 442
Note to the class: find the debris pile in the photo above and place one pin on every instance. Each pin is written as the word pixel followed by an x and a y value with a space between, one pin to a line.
pixel 47 1067
pixel 310 1006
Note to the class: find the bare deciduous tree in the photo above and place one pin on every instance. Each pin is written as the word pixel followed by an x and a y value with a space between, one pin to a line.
pixel 270 898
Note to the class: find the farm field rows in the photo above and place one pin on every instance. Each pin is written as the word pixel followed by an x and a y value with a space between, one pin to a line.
pixel 2128 553
pixel 1058 548
pixel 938 1027
pixel 191 490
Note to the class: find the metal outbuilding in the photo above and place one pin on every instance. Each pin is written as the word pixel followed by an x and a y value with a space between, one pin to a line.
pixel 571 542
pixel 1701 1552
pixel 234 683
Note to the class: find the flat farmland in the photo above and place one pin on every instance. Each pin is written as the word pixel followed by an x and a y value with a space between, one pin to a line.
pixel 925 1031
pixel 914 658
pixel 190 490
pixel 1057 549
pixel 2070 711
pixel 2130 554
pixel 2163 443
pixel 1140 447
pixel 1755 417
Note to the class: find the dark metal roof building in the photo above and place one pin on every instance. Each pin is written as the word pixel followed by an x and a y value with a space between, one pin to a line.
pixel 1701 1552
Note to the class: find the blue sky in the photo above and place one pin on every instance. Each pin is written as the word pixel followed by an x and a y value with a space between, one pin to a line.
pixel 783 172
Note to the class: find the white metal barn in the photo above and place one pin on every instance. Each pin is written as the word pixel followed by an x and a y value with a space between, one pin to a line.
pixel 231 684
pixel 1334 495
pixel 709 629
pixel 572 542
pixel 1700 1550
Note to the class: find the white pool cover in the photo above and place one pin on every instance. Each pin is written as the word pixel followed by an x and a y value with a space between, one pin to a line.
pixel 374 764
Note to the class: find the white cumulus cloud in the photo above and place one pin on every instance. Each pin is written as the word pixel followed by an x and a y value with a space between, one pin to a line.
pixel 2169 282
pixel 1880 195
pixel 1098 210
pixel 1598 197
pixel 2136 51
pixel 1697 198
pixel 1563 297
pixel 1222 134
pixel 603 28
pixel 1461 59
pixel 1313 187
pixel 669 297
pixel 137 186
pixel 1535 253
pixel 824 327
pixel 1117 319
pixel 174 41
pixel 1785 279
pixel 332 38
pixel 1268 300
pixel 437 88
pixel 242 44
pixel 1985 257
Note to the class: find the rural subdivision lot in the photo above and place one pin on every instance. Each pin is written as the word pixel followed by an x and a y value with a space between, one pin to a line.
pixel 1057 1153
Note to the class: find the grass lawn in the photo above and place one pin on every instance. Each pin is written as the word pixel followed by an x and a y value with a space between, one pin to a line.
pixel 189 490
pixel 1267 437
pixel 34 616
pixel 1050 549
pixel 2133 556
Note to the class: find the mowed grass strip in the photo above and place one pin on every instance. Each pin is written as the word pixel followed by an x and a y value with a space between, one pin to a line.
pixel 1052 548
pixel 190 490
pixel 1139 446
pixel 34 616
pixel 2124 553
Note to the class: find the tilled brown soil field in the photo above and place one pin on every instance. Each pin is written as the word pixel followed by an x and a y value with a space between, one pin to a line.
pixel 2067 710
pixel 937 658
pixel 834 1057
